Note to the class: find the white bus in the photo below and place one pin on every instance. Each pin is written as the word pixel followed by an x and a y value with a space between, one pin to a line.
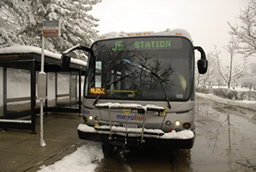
pixel 139 89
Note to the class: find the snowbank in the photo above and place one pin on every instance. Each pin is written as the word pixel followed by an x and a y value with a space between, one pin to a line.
pixel 85 158
pixel 240 103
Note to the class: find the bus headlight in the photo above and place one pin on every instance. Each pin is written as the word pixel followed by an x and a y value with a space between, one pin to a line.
pixel 90 117
pixel 177 123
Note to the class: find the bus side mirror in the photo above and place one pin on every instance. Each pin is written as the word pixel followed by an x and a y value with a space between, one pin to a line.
pixel 202 65
pixel 65 62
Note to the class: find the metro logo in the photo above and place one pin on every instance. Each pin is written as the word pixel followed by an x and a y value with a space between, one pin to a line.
pixel 132 118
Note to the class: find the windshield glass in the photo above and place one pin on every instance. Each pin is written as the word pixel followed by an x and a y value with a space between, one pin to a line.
pixel 142 68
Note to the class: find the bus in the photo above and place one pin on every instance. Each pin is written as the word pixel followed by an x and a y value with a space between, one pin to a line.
pixel 139 89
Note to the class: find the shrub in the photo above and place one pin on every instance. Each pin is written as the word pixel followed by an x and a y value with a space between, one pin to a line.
pixel 251 95
pixel 229 94
pixel 219 92
pixel 232 94
pixel 242 96
pixel 202 90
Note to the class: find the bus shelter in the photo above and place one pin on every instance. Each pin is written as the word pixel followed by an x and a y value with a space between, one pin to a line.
pixel 19 67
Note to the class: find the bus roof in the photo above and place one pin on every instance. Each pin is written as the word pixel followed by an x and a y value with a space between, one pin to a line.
pixel 174 32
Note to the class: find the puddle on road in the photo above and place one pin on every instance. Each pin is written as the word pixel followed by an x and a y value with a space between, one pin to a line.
pixel 225 138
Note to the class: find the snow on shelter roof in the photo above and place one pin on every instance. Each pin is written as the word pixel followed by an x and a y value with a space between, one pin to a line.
pixel 19 49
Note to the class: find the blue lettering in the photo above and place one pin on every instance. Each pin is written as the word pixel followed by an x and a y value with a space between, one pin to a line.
pixel 136 118
pixel 87 112
pixel 119 116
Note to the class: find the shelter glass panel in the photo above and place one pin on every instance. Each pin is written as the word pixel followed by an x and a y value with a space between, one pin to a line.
pixel 51 84
pixel 67 85
pixel 18 94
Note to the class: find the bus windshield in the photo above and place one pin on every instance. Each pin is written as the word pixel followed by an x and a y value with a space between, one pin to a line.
pixel 141 68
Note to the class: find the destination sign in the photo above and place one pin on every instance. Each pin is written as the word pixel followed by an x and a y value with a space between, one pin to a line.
pixel 153 44
pixel 147 44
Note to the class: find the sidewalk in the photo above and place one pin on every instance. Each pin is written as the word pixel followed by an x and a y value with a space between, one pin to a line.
pixel 21 151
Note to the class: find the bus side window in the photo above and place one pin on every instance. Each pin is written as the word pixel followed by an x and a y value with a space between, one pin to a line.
pixel 115 75
pixel 98 74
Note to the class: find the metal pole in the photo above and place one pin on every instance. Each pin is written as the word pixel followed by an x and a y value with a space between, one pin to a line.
pixel 42 142
pixel 42 55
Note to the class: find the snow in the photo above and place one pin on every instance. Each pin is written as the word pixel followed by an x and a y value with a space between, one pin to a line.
pixel 133 130
pixel 239 103
pixel 68 50
pixel 166 32
pixel 27 49
pixel 19 49
pixel 16 121
pixel 24 28
pixel 86 128
pixel 85 158
pixel 114 35
pixel 185 134
pixel 128 105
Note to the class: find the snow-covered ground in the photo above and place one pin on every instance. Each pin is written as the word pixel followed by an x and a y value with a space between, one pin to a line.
pixel 86 157
pixel 240 103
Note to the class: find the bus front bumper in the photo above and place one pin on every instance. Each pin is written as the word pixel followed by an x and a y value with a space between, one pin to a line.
pixel 171 140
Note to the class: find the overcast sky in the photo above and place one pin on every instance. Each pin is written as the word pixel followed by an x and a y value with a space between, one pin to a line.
pixel 205 20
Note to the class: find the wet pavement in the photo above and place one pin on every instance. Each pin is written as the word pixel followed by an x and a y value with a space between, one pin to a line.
pixel 225 141
pixel 21 151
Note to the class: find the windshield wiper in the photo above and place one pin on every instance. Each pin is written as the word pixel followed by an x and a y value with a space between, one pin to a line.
pixel 143 67
pixel 153 73
pixel 105 87
pixel 161 82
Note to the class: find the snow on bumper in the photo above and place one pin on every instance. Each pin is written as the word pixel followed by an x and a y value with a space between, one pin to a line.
pixel 180 135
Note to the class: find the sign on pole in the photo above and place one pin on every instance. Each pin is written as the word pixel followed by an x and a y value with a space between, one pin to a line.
pixel 51 28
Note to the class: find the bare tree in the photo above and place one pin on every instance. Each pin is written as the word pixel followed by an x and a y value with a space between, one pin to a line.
pixel 227 72
pixel 209 77
pixel 245 34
